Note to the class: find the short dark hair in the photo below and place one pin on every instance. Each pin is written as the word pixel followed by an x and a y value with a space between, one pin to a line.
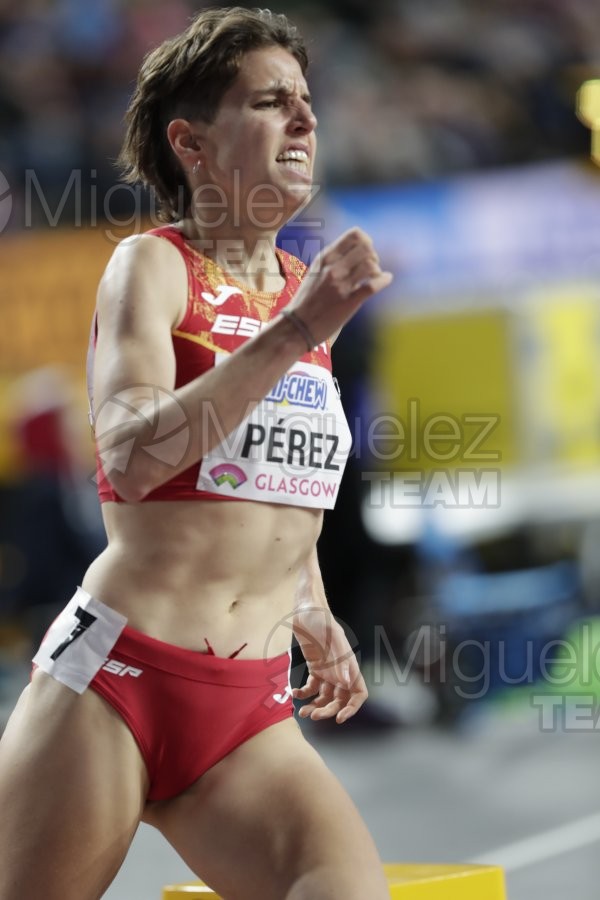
pixel 187 76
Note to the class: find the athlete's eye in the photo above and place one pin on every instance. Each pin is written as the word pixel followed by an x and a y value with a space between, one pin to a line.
pixel 268 104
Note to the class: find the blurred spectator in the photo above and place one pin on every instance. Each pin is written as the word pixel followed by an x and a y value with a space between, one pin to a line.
pixel 412 89
pixel 51 523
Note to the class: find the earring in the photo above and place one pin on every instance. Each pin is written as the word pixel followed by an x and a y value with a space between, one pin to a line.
pixel 196 167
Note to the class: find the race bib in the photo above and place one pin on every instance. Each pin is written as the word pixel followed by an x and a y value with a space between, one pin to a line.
pixel 79 640
pixel 291 449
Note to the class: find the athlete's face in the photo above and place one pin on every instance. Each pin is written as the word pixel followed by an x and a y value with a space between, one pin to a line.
pixel 260 148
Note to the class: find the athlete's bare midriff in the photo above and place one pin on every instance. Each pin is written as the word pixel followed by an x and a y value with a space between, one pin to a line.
pixel 225 571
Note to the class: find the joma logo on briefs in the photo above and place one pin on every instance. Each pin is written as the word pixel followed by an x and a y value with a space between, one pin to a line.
pixel 121 669
pixel 300 389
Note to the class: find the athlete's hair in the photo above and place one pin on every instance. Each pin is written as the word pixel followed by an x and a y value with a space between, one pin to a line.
pixel 187 77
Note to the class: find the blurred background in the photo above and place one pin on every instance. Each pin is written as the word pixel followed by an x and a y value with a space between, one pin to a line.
pixel 463 555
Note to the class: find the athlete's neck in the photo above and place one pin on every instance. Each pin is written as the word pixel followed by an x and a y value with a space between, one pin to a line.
pixel 246 254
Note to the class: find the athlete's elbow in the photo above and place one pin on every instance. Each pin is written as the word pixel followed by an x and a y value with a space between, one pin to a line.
pixel 131 481
pixel 129 489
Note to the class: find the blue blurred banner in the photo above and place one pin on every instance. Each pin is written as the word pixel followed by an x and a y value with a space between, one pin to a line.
pixel 492 232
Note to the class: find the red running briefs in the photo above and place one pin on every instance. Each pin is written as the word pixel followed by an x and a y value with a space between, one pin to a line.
pixel 187 710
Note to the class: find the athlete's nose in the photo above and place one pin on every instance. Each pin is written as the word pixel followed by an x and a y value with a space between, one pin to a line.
pixel 303 119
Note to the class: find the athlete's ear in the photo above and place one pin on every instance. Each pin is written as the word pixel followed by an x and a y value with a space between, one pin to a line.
pixel 186 143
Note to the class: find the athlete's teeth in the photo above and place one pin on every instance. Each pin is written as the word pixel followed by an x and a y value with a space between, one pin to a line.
pixel 298 155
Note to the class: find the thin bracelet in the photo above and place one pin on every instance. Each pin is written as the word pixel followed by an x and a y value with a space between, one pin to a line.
pixel 301 327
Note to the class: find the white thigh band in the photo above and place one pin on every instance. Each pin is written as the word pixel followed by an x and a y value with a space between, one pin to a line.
pixel 79 640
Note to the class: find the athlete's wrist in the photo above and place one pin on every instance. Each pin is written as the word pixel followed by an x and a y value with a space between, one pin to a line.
pixel 301 327
pixel 293 339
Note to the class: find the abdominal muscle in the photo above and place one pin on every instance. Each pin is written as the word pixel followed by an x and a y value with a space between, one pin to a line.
pixel 191 572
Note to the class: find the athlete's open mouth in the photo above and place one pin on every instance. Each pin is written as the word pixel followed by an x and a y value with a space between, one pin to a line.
pixel 294 159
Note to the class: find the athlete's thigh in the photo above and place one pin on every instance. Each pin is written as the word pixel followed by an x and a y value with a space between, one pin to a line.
pixel 266 815
pixel 72 788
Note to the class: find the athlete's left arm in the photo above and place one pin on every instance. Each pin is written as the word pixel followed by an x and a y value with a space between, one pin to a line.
pixel 334 682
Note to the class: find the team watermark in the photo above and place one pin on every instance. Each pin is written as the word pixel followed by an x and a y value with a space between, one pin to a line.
pixel 440 437
pixel 565 673
pixel 472 666
pixel 459 488
pixel 567 712
pixel 84 201
pixel 298 436
pixel 142 420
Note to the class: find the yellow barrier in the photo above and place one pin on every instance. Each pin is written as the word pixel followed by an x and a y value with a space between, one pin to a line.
pixel 407 882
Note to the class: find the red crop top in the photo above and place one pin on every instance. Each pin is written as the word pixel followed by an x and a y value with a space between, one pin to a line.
pixel 221 315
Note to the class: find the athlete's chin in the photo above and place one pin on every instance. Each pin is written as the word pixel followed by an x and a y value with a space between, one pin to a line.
pixel 296 195
pixel 288 207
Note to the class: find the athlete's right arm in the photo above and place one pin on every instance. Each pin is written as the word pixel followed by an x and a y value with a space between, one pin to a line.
pixel 141 298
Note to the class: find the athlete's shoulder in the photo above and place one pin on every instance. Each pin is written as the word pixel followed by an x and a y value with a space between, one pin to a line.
pixel 142 271
pixel 292 264
pixel 146 250
pixel 169 232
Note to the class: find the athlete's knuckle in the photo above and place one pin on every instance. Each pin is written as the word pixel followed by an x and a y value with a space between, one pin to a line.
pixel 336 277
